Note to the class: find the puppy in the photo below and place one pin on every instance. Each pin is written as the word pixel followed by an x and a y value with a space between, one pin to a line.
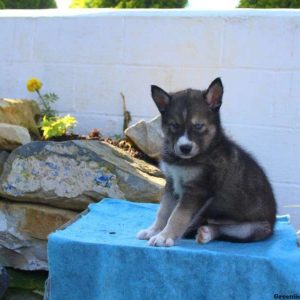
pixel 214 189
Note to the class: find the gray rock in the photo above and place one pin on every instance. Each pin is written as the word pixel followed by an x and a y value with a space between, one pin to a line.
pixel 20 112
pixel 147 136
pixel 23 233
pixel 3 157
pixel 12 136
pixel 73 174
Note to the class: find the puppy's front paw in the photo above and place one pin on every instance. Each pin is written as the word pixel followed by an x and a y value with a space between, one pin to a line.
pixel 160 240
pixel 146 234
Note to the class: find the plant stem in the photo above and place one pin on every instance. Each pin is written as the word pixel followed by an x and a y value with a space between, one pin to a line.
pixel 126 113
pixel 43 101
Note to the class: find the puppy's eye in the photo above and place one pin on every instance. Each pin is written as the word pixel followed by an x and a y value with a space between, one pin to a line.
pixel 198 126
pixel 174 126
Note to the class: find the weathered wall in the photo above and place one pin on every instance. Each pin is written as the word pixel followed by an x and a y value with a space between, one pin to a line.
pixel 89 57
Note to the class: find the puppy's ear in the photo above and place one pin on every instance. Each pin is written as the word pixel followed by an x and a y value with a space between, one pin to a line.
pixel 214 94
pixel 160 97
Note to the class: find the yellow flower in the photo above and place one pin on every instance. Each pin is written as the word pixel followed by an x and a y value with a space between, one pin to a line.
pixel 34 84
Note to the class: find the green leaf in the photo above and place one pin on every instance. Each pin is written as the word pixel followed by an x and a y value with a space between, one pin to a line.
pixel 57 126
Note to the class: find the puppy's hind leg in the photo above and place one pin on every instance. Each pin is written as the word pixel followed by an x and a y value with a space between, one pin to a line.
pixel 241 232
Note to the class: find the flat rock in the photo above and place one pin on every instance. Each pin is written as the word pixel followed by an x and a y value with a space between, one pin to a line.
pixel 73 174
pixel 12 136
pixel 147 136
pixel 23 233
pixel 19 112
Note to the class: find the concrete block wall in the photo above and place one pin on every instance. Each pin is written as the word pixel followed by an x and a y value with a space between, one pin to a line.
pixel 89 57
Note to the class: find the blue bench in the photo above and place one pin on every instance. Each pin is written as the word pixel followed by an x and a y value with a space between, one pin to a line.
pixel 98 257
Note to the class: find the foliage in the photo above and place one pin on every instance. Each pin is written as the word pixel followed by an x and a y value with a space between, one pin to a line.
pixel 129 3
pixel 27 280
pixel 34 85
pixel 47 100
pixel 57 126
pixel 48 4
pixel 269 4
pixel 28 4
pixel 52 125
pixel 2 6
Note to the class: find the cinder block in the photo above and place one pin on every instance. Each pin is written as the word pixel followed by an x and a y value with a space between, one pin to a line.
pixel 295 86
pixel 56 79
pixel 288 200
pixel 17 75
pixel 195 78
pixel 259 42
pixel 7 31
pixel 137 90
pixel 59 79
pixel 258 98
pixel 79 40
pixel 250 96
pixel 6 80
pixel 99 258
pixel 109 125
pixel 296 45
pixel 23 40
pixel 97 89
pixel 276 149
pixel 173 41
pixel 288 195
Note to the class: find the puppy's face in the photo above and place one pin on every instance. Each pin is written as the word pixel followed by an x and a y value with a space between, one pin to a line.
pixel 190 118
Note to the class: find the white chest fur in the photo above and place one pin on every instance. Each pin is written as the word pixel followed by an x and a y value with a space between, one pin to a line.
pixel 180 175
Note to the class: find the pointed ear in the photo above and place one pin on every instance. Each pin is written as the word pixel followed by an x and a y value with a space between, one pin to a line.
pixel 160 97
pixel 214 94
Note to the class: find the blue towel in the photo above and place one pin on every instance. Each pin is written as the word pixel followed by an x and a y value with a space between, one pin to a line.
pixel 98 257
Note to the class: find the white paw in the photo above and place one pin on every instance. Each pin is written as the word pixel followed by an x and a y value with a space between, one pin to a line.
pixel 205 234
pixel 146 234
pixel 160 240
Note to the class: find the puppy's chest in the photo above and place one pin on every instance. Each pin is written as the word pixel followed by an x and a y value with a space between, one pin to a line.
pixel 180 175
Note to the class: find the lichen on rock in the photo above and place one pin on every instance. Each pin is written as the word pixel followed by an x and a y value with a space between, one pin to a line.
pixel 75 173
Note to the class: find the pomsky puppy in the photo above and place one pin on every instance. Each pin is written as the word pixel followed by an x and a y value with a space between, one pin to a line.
pixel 214 189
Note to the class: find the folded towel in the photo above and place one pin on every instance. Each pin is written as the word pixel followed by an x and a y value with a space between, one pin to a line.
pixel 98 257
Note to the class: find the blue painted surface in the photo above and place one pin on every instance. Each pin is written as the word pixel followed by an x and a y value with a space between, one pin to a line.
pixel 98 257
pixel 104 180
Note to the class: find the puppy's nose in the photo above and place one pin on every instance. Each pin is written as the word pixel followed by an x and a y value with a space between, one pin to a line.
pixel 186 149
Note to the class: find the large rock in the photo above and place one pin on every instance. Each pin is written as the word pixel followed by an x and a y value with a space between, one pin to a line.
pixel 147 136
pixel 12 136
pixel 73 174
pixel 23 233
pixel 3 157
pixel 19 112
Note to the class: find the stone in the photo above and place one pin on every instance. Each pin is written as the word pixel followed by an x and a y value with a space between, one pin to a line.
pixel 73 174
pixel 147 136
pixel 3 157
pixel 23 233
pixel 12 136
pixel 25 113
pixel 4 281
